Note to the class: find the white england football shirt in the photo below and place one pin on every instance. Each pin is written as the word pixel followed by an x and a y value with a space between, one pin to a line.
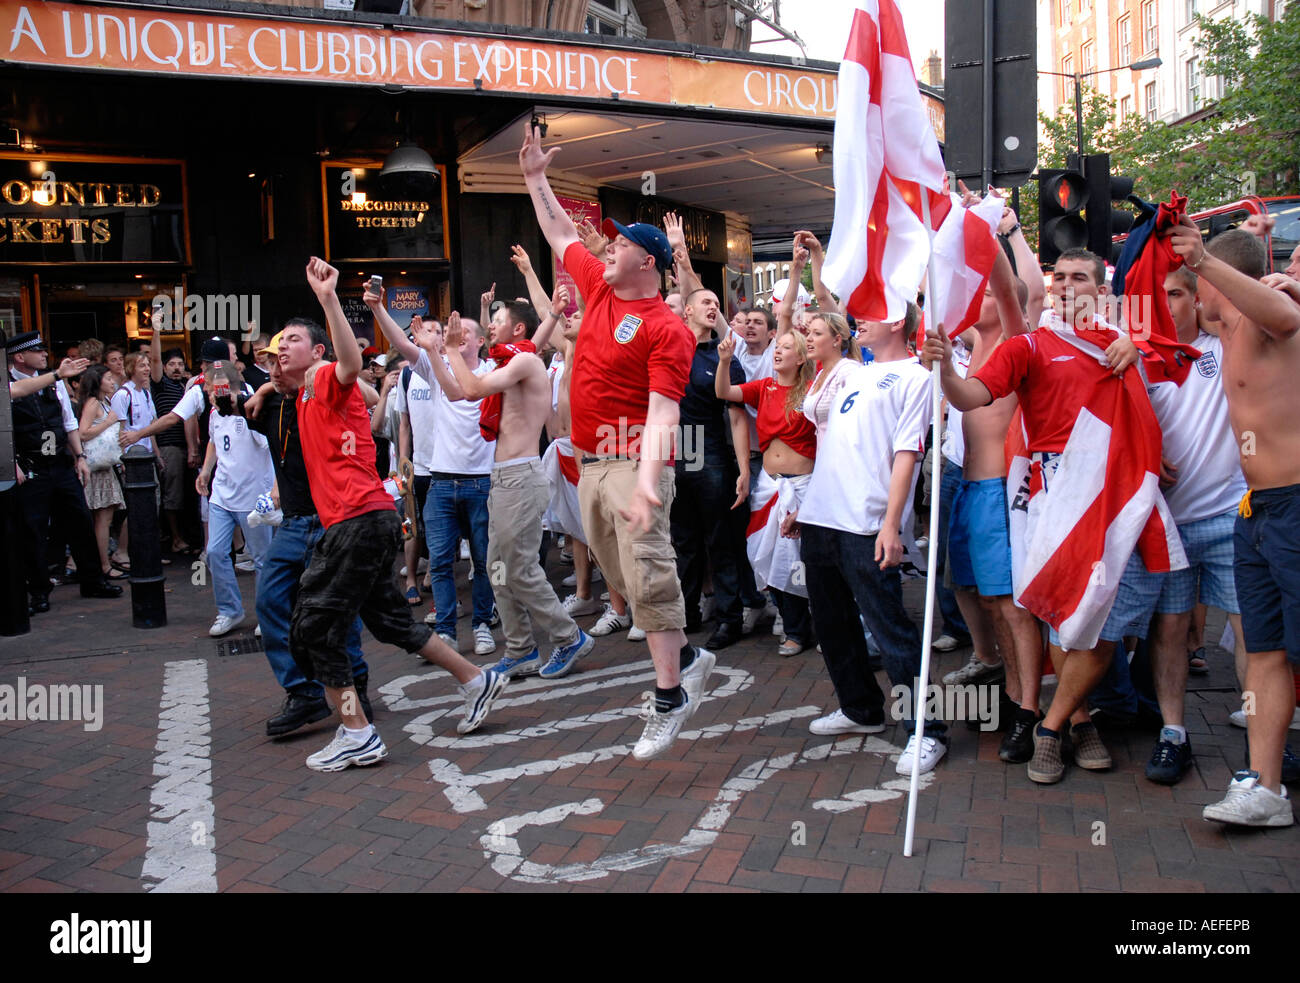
pixel 244 469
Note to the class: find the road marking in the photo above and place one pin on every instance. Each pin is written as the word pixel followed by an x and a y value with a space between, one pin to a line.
pixel 502 848
pixel 179 855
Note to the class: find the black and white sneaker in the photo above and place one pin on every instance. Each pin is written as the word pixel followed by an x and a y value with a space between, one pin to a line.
pixel 480 693
pixel 344 751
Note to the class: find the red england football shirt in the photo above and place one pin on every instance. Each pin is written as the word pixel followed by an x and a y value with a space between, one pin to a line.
pixel 338 450
pixel 1052 379
pixel 768 396
pixel 626 350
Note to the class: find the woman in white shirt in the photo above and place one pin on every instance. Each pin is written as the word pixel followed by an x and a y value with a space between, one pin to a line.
pixel 832 345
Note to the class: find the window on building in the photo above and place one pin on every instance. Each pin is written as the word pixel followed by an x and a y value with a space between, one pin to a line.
pixel 1149 40
pixel 1152 109
pixel 1088 57
pixel 1065 12
pixel 1067 85
pixel 614 18
pixel 1125 108
pixel 1193 84
pixel 1124 33
pixel 1190 7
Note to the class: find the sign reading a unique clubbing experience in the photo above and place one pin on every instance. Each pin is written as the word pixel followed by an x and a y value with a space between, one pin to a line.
pixel 366 219
pixel 86 210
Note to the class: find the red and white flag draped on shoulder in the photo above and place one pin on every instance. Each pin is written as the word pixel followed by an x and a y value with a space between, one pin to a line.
pixel 886 156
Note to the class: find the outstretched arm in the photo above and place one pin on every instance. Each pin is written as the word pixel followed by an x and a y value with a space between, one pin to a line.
pixel 474 386
pixel 395 335
pixel 688 281
pixel 825 299
pixel 155 345
pixel 722 385
pixel 785 310
pixel 556 306
pixel 536 292
pixel 324 280
pixel 964 394
pixel 556 225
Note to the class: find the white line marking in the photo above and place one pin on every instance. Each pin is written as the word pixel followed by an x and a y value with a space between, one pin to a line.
pixel 502 849
pixel 179 855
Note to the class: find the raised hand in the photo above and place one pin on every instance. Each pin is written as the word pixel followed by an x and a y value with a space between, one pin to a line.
pixel 490 294
pixel 811 243
pixel 673 229
pixel 799 259
pixel 454 333
pixel 1008 221
pixel 560 300
pixel 593 240
pixel 426 335
pixel 321 277
pixel 1187 242
pixel 726 347
pixel 373 298
pixel 520 258
pixel 533 161
pixel 72 366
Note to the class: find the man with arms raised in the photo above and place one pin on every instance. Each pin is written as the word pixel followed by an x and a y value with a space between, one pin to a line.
pixel 1261 361
pixel 351 569
pixel 631 364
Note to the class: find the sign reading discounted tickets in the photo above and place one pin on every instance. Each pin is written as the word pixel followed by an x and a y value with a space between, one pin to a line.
pixel 175 42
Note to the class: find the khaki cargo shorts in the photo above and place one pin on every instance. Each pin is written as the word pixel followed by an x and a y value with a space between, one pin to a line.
pixel 641 566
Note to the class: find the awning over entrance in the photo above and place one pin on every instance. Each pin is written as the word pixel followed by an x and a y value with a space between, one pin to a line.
pixel 769 175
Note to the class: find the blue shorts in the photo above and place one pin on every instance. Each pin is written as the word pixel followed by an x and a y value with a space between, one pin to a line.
pixel 1267 571
pixel 1138 598
pixel 1208 578
pixel 979 543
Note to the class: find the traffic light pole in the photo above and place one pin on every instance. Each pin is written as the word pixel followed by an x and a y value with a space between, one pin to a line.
pixel 986 173
pixel 1078 117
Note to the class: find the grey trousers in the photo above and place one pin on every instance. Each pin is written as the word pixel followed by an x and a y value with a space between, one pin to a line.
pixel 531 614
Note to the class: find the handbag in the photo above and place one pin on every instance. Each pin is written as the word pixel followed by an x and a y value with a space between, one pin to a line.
pixel 104 452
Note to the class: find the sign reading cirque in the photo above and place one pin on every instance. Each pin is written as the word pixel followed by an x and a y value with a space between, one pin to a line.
pixel 88 210
pixel 179 42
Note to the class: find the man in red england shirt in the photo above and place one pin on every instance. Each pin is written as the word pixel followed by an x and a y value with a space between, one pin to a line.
pixel 630 368
pixel 351 569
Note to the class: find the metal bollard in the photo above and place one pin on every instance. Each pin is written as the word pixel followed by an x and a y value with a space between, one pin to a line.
pixel 14 619
pixel 148 603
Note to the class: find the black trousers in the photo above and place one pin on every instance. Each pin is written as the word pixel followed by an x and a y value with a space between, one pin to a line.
pixel 57 494
pixel 701 525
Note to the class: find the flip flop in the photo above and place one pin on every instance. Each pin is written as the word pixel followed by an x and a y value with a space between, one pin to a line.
pixel 116 574
pixel 1196 664
pixel 124 567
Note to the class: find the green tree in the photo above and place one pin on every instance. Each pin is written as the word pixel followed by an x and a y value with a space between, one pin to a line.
pixel 1247 143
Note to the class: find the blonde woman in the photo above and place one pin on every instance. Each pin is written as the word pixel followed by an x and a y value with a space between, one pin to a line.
pixel 832 345
pixel 789 444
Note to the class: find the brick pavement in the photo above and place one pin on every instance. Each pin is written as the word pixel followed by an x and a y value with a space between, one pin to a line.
pixel 75 805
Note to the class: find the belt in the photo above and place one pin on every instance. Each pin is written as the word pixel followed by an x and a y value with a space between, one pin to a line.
pixel 451 476
pixel 592 459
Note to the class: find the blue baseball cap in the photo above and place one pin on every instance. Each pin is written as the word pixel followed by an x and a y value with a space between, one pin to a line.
pixel 649 237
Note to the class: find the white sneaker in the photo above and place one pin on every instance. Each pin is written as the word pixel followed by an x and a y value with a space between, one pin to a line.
pixel 245 563
pixel 1238 719
pixel 661 729
pixel 222 625
pixel 707 606
pixel 923 542
pixel 610 622
pixel 944 643
pixel 257 632
pixel 974 671
pixel 1250 804
pixel 696 676
pixel 480 693
pixel 840 723
pixel 778 627
pixel 576 607
pixel 931 751
pixel 635 634
pixel 464 549
pixel 749 619
pixel 484 643
pixel 432 617
pixel 344 750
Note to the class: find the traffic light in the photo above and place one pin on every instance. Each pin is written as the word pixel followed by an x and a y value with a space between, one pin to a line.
pixel 1104 221
pixel 1062 194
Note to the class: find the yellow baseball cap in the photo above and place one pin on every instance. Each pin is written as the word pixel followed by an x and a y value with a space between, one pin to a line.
pixel 273 347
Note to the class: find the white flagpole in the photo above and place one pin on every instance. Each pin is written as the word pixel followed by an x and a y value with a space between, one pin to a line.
pixel 927 633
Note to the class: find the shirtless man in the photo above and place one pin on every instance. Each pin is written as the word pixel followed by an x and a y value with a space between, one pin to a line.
pixel 1261 360
pixel 519 495
pixel 979 545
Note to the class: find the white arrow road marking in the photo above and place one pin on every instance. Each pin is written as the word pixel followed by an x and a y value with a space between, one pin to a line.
pixel 179 851
pixel 501 846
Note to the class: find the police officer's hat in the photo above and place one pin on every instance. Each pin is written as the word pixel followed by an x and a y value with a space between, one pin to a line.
pixel 28 341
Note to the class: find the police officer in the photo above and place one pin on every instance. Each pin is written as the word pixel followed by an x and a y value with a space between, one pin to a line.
pixel 52 468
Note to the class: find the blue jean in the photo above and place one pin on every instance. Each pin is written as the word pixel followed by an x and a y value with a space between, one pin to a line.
pixel 456 509
pixel 953 622
pixel 843 581
pixel 277 592
pixel 221 530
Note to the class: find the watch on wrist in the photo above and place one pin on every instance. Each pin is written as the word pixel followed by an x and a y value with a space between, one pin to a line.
pixel 80 456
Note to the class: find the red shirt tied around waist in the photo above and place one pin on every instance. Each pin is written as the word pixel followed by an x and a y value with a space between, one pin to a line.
pixel 625 350
pixel 769 397
pixel 338 449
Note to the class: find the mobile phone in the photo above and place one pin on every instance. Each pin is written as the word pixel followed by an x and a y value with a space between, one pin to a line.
pixel 376 283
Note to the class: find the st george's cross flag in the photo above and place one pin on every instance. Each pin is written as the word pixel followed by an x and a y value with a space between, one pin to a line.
pixel 964 252
pixel 885 156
